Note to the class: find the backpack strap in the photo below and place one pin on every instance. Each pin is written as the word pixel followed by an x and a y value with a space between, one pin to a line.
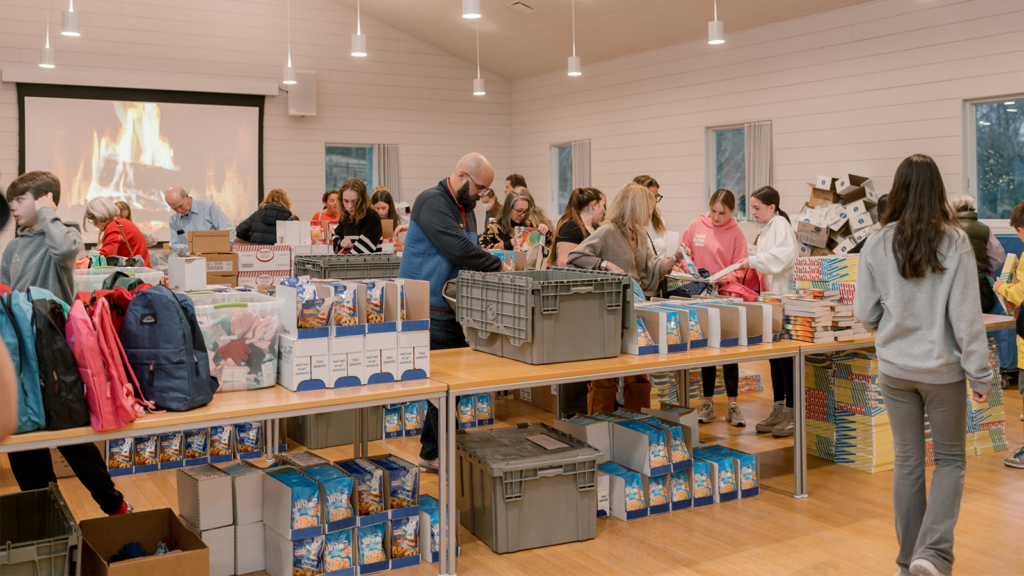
pixel 123 237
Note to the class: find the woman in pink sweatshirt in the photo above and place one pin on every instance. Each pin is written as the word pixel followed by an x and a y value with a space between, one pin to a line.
pixel 716 242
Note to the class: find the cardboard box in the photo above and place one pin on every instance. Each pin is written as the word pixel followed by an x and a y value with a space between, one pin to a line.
pixel 723 474
pixel 598 434
pixel 277 511
pixel 186 274
pixel 685 417
pixel 617 498
pixel 820 197
pixel 280 554
pixel 246 493
pixel 221 542
pixel 209 242
pixel 261 258
pixel 221 263
pixel 422 359
pixel 294 233
pixel 103 537
pixel 632 449
pixel 825 183
pixel 230 280
pixel 848 183
pixel 250 547
pixel 603 505
pixel 748 477
pixel 293 370
pixel 811 234
pixel 544 397
pixel 204 497
pixel 254 280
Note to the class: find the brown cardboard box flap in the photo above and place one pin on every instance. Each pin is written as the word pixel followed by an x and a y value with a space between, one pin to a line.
pixel 221 263
pixel 104 537
pixel 209 241
pixel 228 279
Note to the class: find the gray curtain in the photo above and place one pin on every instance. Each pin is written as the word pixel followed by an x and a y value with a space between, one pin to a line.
pixel 385 169
pixel 580 163
pixel 757 147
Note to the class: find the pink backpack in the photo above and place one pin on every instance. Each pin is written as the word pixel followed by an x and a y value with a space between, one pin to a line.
pixel 112 403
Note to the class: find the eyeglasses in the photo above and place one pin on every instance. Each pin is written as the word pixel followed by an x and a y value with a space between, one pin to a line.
pixel 521 212
pixel 657 198
pixel 476 187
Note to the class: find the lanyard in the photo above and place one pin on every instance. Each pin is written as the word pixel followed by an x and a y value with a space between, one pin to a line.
pixel 462 211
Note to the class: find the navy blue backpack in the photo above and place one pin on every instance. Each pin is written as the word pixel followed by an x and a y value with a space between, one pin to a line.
pixel 166 350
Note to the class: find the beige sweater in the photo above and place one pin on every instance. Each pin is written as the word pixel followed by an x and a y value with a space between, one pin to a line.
pixel 610 243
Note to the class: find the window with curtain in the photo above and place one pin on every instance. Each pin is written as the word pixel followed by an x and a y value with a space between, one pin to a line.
pixel 344 162
pixel 740 160
pixel 570 169
pixel 994 155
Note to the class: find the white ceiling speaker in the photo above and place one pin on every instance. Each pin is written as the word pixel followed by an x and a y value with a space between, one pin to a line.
pixel 471 9
pixel 69 21
pixel 716 29
pixel 302 96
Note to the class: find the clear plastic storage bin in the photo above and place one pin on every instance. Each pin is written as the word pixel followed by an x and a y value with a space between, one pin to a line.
pixel 240 330
pixel 91 279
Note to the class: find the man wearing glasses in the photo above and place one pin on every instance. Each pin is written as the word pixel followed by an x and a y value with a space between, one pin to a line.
pixel 442 240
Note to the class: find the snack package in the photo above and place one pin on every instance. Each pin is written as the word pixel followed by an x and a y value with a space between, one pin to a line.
pixel 672 333
pixel 374 301
pixel 401 300
pixel 643 337
pixel 483 407
pixel 405 481
pixel 371 544
pixel 346 311
pixel 314 311
pixel 634 488
pixel 306 561
pixel 248 437
pixel 726 470
pixel 656 487
pixel 171 447
pixel 338 551
pixel 305 498
pixel 337 491
pixel 121 454
pixel 467 413
pixel 369 485
pixel 393 420
pixel 196 445
pixel 220 440
pixel 674 435
pixel 432 507
pixel 316 233
pixel 147 450
pixel 405 534
pixel 694 325
pixel 701 479
pixel 413 419
pixel 747 464
pixel 658 448
pixel 680 487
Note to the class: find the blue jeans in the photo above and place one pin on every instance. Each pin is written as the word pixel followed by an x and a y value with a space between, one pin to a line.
pixel 445 334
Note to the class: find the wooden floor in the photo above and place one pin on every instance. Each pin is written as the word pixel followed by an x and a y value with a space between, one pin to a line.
pixel 844 528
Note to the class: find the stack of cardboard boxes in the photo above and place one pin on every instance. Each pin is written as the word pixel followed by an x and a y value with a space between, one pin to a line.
pixel 210 261
pixel 840 214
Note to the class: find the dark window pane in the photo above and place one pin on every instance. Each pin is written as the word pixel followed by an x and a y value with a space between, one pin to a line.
pixel 564 176
pixel 731 167
pixel 344 162
pixel 1000 139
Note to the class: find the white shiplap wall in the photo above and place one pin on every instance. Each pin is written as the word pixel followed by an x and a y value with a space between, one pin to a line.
pixel 405 92
pixel 849 91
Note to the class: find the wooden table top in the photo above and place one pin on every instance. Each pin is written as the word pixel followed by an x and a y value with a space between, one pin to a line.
pixel 255 404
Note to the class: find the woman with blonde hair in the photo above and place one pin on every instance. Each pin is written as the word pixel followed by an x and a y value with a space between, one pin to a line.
pixel 359 230
pixel 261 226
pixel 620 245
pixel 120 237
pixel 656 227
pixel 126 214
pixel 519 211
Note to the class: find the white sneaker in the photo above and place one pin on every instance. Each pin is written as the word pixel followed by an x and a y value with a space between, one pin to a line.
pixel 734 416
pixel 706 413
pixel 922 567
pixel 429 466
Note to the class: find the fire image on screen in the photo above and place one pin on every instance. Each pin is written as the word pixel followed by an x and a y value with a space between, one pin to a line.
pixel 134 151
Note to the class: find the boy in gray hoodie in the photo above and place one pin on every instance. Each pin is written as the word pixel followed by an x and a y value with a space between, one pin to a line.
pixel 44 255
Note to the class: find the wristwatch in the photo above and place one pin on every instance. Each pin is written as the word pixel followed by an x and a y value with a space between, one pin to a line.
pixel 603 265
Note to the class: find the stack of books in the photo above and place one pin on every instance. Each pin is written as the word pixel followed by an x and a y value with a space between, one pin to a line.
pixel 863 433
pixel 842 322
pixel 986 422
pixel 808 320
pixel 833 272
pixel 820 424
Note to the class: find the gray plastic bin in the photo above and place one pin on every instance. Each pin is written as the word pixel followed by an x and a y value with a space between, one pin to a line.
pixel 515 495
pixel 38 535
pixel 340 267
pixel 545 316
pixel 332 428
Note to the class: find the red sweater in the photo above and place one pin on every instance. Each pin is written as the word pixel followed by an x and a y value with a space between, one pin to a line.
pixel 115 245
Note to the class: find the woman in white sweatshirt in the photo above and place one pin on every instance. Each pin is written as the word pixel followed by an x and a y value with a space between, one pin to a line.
pixel 776 261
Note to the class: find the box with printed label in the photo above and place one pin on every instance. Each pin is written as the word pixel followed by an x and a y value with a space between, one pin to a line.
pixel 626 495
pixel 422 359
pixel 266 278
pixel 319 368
pixel 749 475
pixel 263 258
pixel 246 492
pixel 356 367
pixel 229 280
pixel 293 371
pixel 721 473
pixel 812 234
pixel 371 365
pixel 293 557
pixel 221 263
pixel 209 242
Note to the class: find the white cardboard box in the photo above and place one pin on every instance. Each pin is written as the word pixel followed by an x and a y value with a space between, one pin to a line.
pixel 247 495
pixel 186 274
pixel 267 278
pixel 355 366
pixel 250 547
pixel 337 369
pixel 422 359
pixel 294 233
pixel 389 363
pixel 598 435
pixel 319 368
pixel 371 363
pixel 204 497
pixel 406 360
pixel 414 339
pixel 261 258
pixel 291 369
pixel 277 514
pixel 221 542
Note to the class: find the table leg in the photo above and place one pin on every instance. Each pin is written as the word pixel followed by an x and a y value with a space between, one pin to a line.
pixel 357 433
pixel 443 473
pixel 366 432
pixel 683 386
pixel 453 524
pixel 799 428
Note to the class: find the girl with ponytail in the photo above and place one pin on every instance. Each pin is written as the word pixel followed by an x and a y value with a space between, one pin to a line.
pixel 583 214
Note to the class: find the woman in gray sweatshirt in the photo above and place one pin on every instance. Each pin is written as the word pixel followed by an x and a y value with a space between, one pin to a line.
pixel 917 285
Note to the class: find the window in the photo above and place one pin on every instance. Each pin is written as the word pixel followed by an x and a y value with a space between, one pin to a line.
pixel 564 178
pixel 344 162
pixel 994 155
pixel 570 169
pixel 740 159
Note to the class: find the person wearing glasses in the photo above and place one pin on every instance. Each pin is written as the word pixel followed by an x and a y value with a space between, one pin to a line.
pixel 441 241
pixel 519 211
pixel 656 227
pixel 193 214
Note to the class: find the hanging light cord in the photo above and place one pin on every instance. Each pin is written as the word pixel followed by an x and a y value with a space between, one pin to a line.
pixel 478 51
pixel 574 27
pixel 359 29
pixel 72 6
pixel 716 10
pixel 47 23
pixel 289 9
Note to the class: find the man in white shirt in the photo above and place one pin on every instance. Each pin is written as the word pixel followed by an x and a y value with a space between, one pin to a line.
pixel 193 214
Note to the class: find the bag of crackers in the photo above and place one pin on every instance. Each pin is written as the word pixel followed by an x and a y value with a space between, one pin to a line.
pixel 371 544
pixel 369 485
pixel 305 498
pixel 306 556
pixel 405 481
pixel 405 536
pixel 338 551
pixel 337 491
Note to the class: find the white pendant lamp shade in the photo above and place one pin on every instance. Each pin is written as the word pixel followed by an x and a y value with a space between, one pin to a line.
pixel 574 66
pixel 69 22
pixel 471 9
pixel 478 87
pixel 289 75
pixel 49 59
pixel 716 29
pixel 358 45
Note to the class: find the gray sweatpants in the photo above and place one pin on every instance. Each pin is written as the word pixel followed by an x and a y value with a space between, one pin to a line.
pixel 925 522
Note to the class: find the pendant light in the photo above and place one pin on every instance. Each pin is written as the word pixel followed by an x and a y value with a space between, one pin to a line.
pixel 574 60
pixel 358 40
pixel 471 9
pixel 478 84
pixel 49 58
pixel 69 21
pixel 716 29
pixel 289 72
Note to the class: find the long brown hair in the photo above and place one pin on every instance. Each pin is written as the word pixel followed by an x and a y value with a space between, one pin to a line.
pixel 648 182
pixel 578 202
pixel 917 204
pixel 277 196
pixel 363 204
pixel 533 215
pixel 770 197
pixel 382 194
pixel 724 197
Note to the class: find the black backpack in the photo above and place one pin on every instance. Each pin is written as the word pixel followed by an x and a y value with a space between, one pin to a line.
pixel 63 392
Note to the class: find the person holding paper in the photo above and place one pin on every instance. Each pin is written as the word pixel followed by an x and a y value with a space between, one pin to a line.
pixel 776 261
pixel 193 214
pixel 715 243
pixel 519 211
pixel 359 230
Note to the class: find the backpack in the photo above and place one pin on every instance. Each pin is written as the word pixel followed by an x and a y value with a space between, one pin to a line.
pixel 167 351
pixel 63 393
pixel 117 299
pixel 16 330
pixel 112 404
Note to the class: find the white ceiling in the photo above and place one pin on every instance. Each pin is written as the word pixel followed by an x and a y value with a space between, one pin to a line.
pixel 514 45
